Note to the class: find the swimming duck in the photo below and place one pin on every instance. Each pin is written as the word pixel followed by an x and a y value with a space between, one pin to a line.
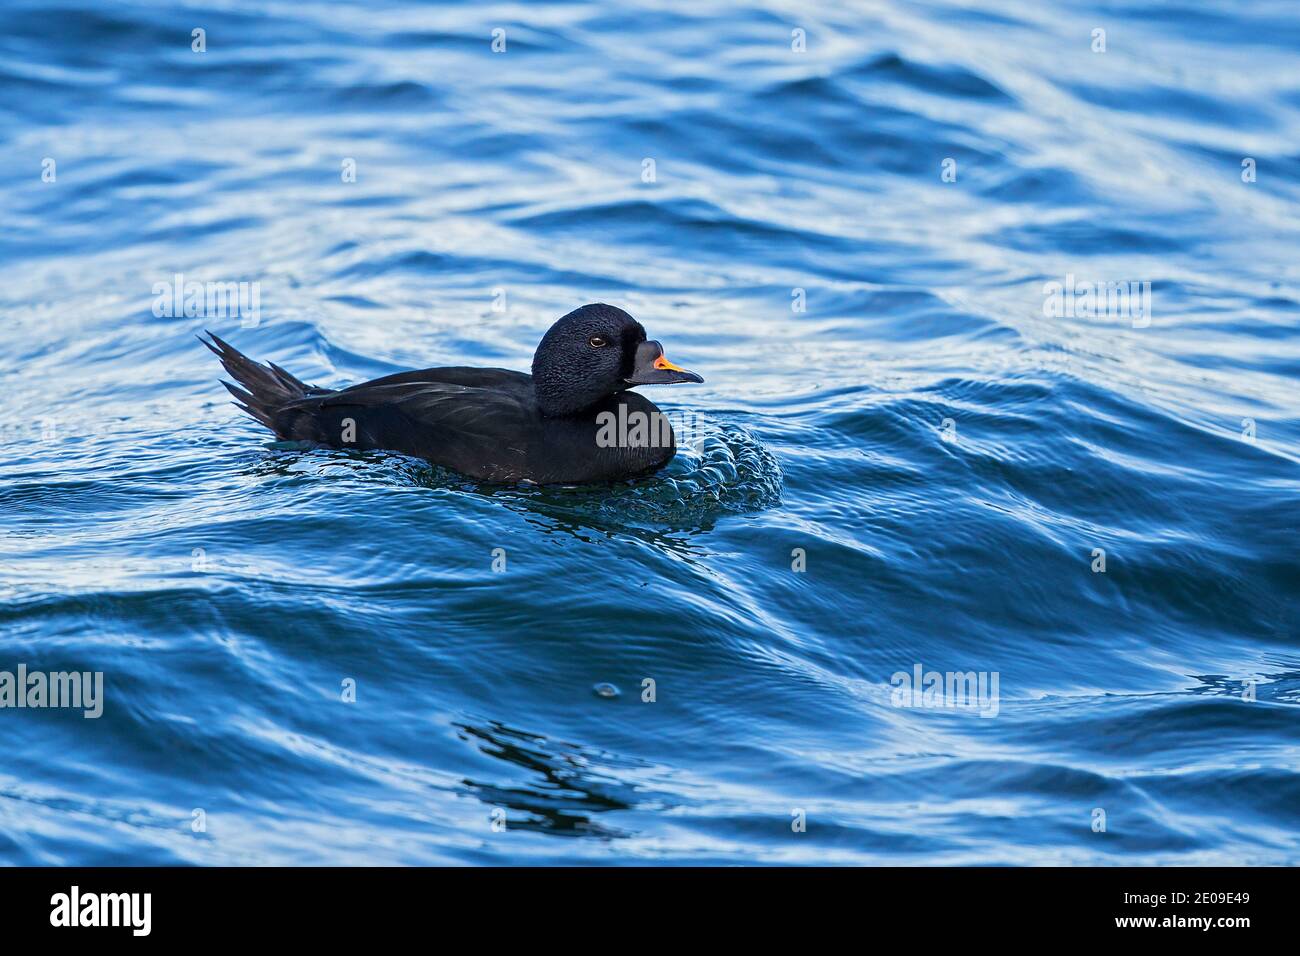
pixel 573 420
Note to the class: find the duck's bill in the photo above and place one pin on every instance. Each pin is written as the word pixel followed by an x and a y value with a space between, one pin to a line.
pixel 653 368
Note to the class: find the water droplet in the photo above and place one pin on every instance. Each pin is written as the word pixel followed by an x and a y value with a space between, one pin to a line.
pixel 606 690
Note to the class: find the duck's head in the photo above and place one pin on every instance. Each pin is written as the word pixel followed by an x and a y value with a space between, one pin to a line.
pixel 592 353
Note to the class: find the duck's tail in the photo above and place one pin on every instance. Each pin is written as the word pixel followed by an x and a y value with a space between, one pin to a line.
pixel 268 391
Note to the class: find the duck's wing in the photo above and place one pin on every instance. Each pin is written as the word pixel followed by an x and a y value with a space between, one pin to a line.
pixel 483 430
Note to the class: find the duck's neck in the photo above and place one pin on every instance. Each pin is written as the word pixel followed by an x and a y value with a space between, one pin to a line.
pixel 559 396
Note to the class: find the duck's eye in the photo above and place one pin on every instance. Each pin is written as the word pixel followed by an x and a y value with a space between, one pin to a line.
pixel 597 342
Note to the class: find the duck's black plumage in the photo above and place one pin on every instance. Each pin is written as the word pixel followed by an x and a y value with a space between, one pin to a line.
pixel 553 426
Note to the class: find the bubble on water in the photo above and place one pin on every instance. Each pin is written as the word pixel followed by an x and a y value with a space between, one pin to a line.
pixel 605 689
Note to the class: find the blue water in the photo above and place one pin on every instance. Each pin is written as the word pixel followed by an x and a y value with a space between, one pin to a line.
pixel 941 457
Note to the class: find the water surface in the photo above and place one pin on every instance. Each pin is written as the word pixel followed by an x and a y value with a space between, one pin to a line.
pixel 901 459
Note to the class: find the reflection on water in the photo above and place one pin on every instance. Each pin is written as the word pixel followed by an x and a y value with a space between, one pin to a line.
pixel 570 785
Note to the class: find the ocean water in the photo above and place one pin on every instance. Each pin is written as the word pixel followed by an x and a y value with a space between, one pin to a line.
pixel 872 227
